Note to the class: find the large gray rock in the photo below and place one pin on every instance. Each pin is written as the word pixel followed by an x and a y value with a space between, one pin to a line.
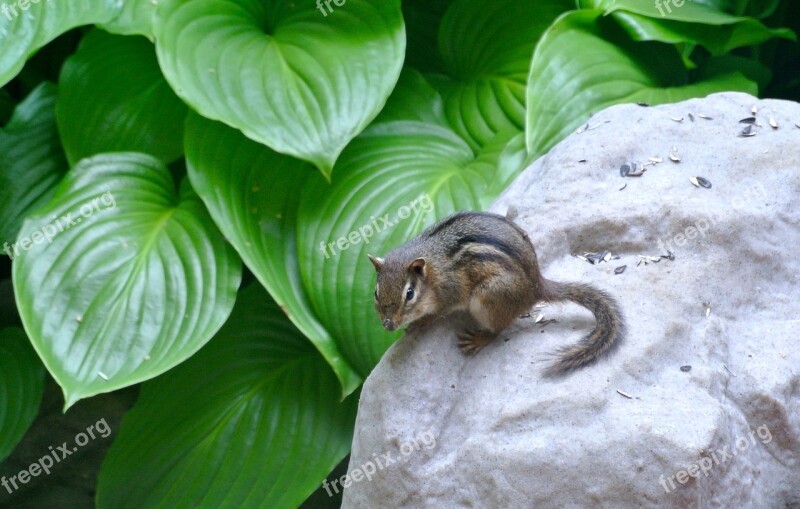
pixel 490 432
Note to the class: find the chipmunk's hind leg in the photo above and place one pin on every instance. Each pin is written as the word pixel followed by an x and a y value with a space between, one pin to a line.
pixel 489 308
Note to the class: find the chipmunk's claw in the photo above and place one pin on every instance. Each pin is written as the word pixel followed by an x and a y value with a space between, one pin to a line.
pixel 472 341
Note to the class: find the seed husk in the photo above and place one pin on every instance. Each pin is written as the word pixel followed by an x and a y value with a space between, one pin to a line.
pixel 624 170
pixel 748 120
pixel 691 117
pixel 620 269
pixel 674 158
pixel 772 123
pixel 747 132
pixel 704 117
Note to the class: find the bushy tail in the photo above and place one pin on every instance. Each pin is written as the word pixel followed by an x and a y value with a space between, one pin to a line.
pixel 608 331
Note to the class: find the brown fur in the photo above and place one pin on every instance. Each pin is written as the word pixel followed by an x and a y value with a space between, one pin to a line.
pixel 484 264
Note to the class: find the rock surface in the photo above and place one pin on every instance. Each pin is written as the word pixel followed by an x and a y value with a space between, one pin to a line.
pixel 638 429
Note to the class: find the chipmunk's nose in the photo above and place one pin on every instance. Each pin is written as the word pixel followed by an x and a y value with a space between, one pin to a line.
pixel 389 325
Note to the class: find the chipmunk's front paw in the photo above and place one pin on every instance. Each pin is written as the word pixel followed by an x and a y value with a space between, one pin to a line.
pixel 472 341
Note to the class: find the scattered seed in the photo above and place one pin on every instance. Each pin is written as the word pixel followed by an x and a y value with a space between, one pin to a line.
pixel 747 132
pixel 691 117
pixel 686 368
pixel 674 158
pixel 645 105
pixel 581 129
pixel 704 182
pixel 607 256
pixel 704 117
pixel 623 187
pixel 582 161
pixel 748 120
pixel 677 119
pixel 539 319
pixel 729 371
pixel 624 394
pixel 754 109
pixel 624 170
pixel 637 173
pixel 79 318
pixel 773 123
pixel 581 257
pixel 654 259
pixel 102 375
pixel 620 269
pixel 655 160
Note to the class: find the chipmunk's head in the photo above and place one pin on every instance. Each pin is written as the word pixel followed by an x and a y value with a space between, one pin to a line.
pixel 400 294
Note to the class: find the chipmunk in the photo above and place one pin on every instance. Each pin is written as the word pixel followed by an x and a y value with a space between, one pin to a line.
pixel 484 264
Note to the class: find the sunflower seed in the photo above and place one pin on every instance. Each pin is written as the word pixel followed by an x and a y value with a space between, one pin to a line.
pixel 620 269
pixel 748 120
pixel 691 117
pixel 606 256
pixel 704 182
pixel 645 105
pixel 102 375
pixel 754 109
pixel 624 170
pixel 674 158
pixel 677 119
pixel 773 123
pixel 655 160
pixel 623 187
pixel 582 161
pixel 704 117
pixel 747 132
pixel 624 394
pixel 686 369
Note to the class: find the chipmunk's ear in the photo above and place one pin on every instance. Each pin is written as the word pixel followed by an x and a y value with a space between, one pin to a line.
pixel 377 262
pixel 418 267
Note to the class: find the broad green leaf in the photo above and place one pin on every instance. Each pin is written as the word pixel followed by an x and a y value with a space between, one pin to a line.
pixel 296 76
pixel 132 108
pixel 487 49
pixel 21 387
pixel 253 420
pixel 397 177
pixel 252 193
pixel 718 31
pixel 121 277
pixel 32 161
pixel 135 18
pixel 23 31
pixel 582 66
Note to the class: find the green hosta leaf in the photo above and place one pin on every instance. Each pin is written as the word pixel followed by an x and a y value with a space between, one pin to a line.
pixel 394 179
pixel 22 32
pixel 132 107
pixel 302 81
pixel 487 48
pixel 21 387
pixel 423 18
pixel 138 280
pixel 136 18
pixel 693 22
pixel 252 193
pixel 580 68
pixel 32 162
pixel 253 420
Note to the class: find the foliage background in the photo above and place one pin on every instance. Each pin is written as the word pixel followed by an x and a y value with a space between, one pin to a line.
pixel 236 137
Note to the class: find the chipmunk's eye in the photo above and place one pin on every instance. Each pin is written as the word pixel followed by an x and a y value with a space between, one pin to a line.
pixel 409 294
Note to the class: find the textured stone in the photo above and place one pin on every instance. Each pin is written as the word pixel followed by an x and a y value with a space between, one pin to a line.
pixel 499 435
